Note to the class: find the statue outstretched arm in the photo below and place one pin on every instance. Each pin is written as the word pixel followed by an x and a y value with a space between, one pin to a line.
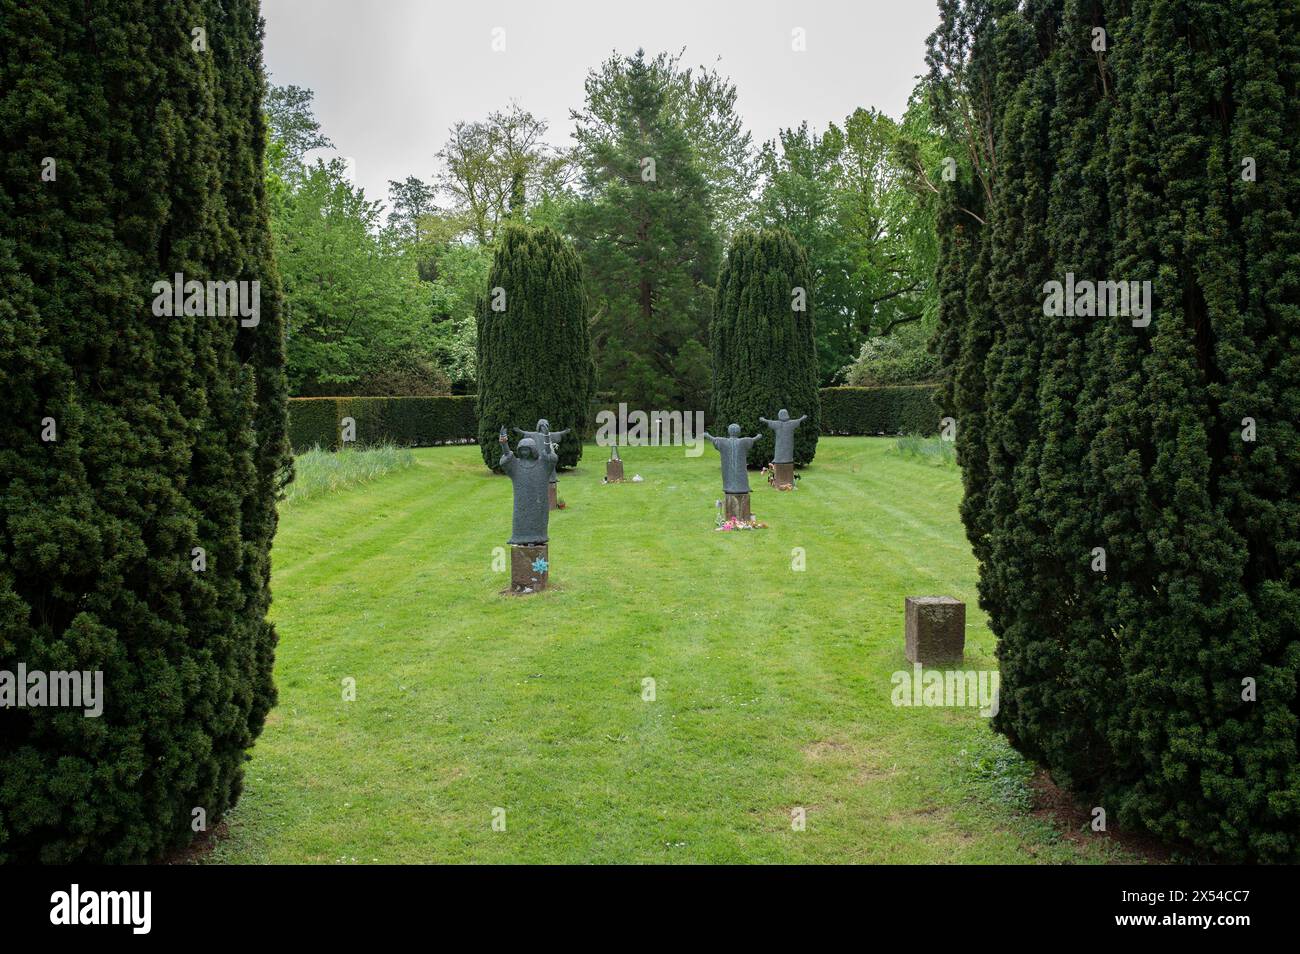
pixel 556 435
pixel 763 420
pixel 802 419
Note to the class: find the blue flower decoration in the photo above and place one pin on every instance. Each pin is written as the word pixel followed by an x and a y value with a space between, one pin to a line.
pixel 540 565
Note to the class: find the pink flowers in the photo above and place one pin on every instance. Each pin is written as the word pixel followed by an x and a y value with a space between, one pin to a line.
pixel 735 523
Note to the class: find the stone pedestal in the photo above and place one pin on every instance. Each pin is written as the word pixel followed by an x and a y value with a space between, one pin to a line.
pixel 784 476
pixel 737 506
pixel 522 575
pixel 613 470
pixel 935 629
pixel 553 496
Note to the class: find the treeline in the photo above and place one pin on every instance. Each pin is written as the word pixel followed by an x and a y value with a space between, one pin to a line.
pixel 1133 479
pixel 368 309
pixel 660 174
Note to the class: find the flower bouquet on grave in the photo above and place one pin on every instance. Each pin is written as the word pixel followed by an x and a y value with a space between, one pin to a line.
pixel 735 523
pixel 769 471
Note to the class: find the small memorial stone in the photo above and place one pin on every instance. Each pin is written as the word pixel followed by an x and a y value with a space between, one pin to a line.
pixel 934 629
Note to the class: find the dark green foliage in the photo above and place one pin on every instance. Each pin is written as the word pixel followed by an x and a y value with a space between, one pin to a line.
pixel 906 409
pixel 170 430
pixel 314 422
pixel 534 357
pixel 764 353
pixel 1083 432
pixel 405 421
pixel 646 235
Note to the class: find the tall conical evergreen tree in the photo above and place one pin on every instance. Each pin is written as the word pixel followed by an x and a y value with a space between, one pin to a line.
pixel 1218 768
pixel 1018 540
pixel 132 150
pixel 764 353
pixel 1078 241
pixel 1133 492
pixel 534 349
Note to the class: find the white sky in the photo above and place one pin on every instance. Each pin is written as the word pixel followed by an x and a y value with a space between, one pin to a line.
pixel 391 76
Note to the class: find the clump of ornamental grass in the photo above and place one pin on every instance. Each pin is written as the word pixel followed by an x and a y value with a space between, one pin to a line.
pixel 318 472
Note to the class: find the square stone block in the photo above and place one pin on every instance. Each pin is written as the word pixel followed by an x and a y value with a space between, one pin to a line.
pixel 613 471
pixel 523 576
pixel 935 629
pixel 784 476
pixel 737 506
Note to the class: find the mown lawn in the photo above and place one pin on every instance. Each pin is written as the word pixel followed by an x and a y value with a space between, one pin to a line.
pixel 772 686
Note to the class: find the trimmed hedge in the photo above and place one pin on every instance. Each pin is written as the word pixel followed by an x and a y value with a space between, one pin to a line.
pixel 405 421
pixel 429 421
pixel 906 409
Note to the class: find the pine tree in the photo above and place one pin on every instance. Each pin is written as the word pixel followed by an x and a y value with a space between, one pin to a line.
pixel 764 353
pixel 534 349
pixel 646 239
pixel 131 440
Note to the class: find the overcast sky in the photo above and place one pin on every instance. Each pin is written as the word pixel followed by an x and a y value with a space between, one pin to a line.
pixel 391 76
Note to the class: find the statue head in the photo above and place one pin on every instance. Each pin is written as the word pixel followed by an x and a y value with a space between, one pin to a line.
pixel 783 415
pixel 526 449
pixel 543 425
pixel 733 430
